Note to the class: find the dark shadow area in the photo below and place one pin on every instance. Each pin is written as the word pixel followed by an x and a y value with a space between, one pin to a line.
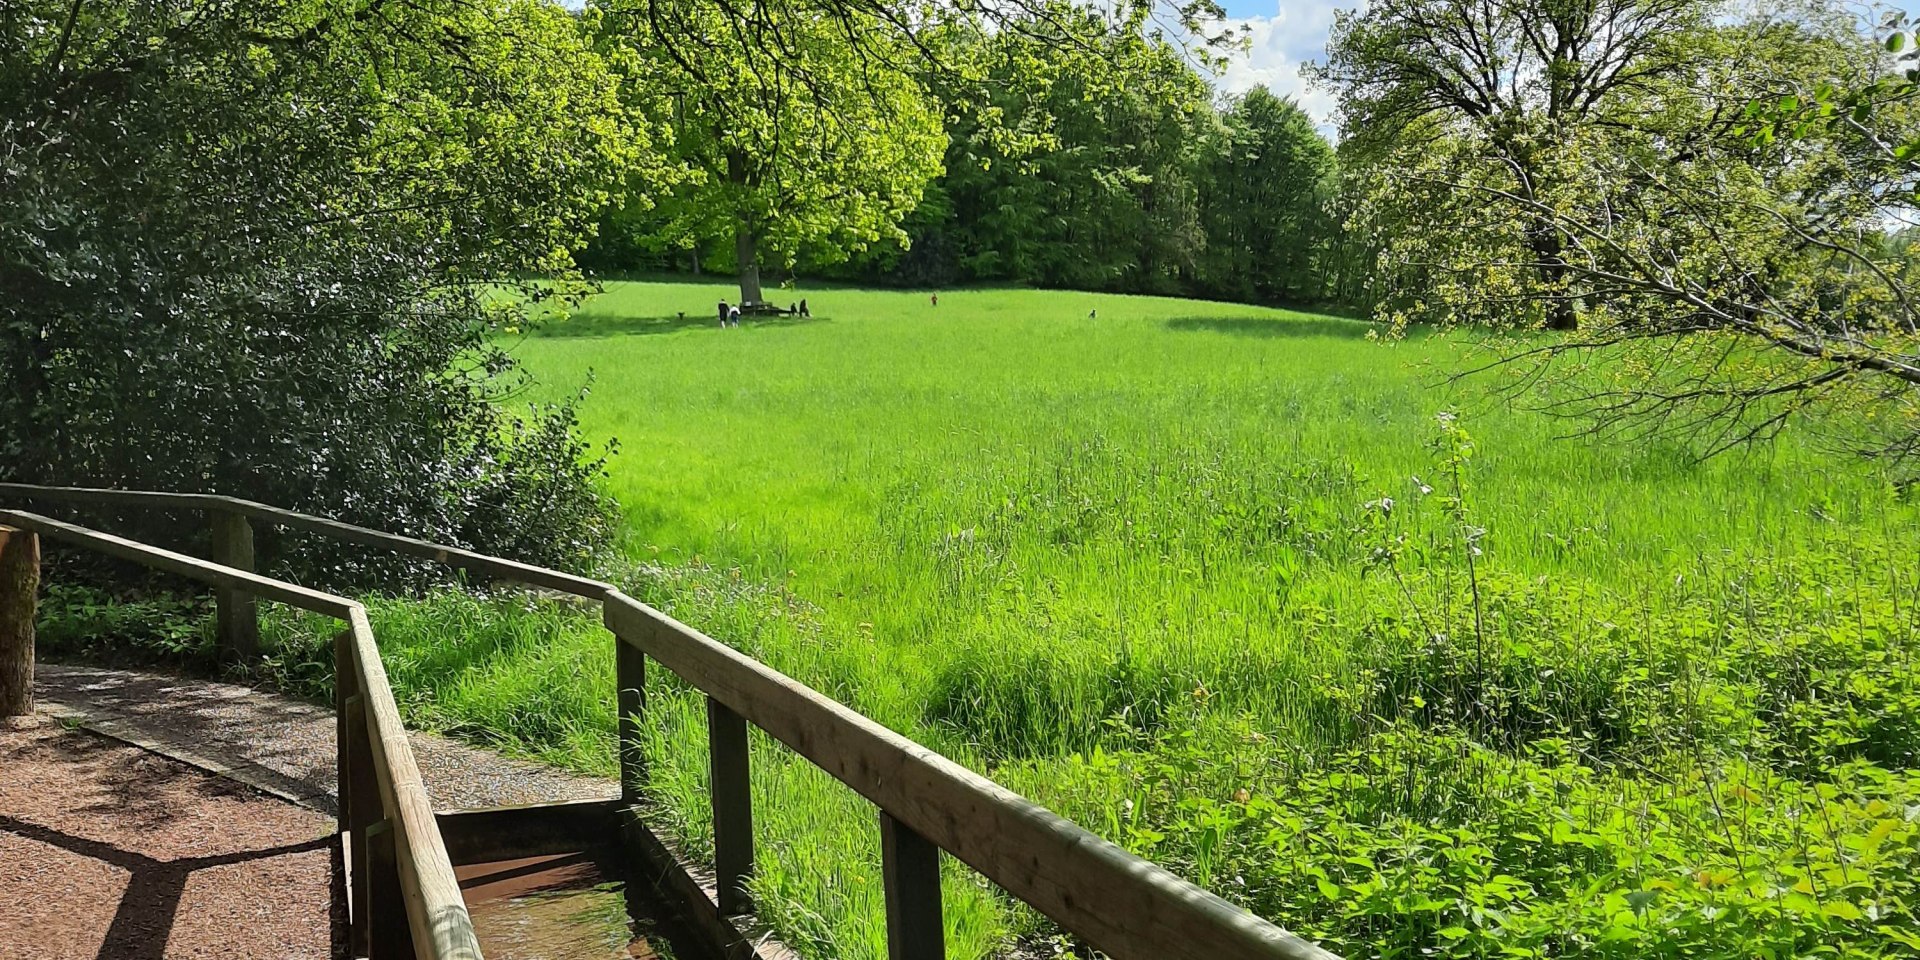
pixel 1275 327
pixel 145 917
pixel 589 325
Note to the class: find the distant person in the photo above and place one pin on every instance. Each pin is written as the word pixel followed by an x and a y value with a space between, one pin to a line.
pixel 723 314
pixel 803 309
pixel 1090 313
pixel 936 299
pixel 733 315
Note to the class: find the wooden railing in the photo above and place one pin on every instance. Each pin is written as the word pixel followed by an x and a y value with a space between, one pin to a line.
pixel 404 899
pixel 1117 902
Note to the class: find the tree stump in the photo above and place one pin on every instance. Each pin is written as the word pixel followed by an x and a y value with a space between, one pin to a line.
pixel 19 593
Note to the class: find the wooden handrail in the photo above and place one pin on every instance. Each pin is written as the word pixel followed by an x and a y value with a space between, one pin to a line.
pixel 436 913
pixel 293 520
pixel 1120 903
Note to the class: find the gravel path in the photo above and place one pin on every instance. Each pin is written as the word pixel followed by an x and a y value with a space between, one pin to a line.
pixel 111 852
pixel 282 745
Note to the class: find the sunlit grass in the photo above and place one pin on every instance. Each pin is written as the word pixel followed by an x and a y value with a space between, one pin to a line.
pixel 1044 530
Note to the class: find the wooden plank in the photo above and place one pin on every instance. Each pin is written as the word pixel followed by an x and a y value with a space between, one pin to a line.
pixel 237 616
pixel 436 911
pixel 630 682
pixel 190 567
pixel 149 499
pixel 910 874
pixel 732 791
pixel 451 556
pixel 492 834
pixel 19 597
pixel 1121 904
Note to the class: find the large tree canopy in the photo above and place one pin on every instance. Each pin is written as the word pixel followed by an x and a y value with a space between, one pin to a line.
pixel 256 249
pixel 1506 81
pixel 1655 180
pixel 811 139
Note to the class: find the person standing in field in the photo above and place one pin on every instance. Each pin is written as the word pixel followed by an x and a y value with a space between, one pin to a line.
pixel 936 299
pixel 733 316
pixel 723 314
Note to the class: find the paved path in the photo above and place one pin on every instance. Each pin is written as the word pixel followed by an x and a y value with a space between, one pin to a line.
pixel 282 745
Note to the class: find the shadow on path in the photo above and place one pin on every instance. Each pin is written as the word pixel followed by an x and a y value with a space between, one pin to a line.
pixel 151 902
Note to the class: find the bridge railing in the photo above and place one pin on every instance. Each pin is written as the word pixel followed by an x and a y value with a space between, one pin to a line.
pixel 404 898
pixel 1119 903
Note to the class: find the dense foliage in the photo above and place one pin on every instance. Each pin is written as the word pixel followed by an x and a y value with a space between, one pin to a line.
pixel 1704 191
pixel 1081 151
pixel 256 250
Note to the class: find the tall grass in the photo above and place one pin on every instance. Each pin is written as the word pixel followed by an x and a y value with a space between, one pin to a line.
pixel 1200 576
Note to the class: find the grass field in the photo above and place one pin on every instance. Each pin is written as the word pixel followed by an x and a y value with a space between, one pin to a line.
pixel 1138 565
pixel 1219 583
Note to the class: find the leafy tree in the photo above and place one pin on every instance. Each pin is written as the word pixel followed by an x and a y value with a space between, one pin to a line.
pixel 1265 183
pixel 1504 82
pixel 258 249
pixel 1734 271
pixel 794 138
pixel 1071 159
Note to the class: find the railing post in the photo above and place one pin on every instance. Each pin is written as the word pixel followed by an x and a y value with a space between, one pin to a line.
pixel 910 873
pixel 19 592
pixel 732 806
pixel 389 936
pixel 346 687
pixel 630 680
pixel 360 801
pixel 239 619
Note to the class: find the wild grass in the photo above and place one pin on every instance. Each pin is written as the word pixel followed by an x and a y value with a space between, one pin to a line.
pixel 1218 583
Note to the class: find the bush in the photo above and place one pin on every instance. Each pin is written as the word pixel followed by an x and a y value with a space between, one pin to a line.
pixel 261 253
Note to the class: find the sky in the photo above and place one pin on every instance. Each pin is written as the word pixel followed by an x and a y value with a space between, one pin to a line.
pixel 1283 34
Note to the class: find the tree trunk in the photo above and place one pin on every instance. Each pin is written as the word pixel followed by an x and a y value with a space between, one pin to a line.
pixel 1553 274
pixel 19 591
pixel 746 250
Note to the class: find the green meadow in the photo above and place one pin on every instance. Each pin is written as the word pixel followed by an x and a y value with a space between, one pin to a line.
pixel 1135 557
pixel 1251 592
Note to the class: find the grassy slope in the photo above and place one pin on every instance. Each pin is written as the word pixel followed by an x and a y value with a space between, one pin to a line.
pixel 1038 540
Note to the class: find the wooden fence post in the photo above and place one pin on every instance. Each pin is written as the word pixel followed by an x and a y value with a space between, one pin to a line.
pixel 732 806
pixel 239 618
pixel 389 935
pixel 630 680
pixel 346 689
pixel 19 593
pixel 360 799
pixel 910 874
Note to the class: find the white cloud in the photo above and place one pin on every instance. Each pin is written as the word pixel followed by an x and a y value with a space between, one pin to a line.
pixel 1277 47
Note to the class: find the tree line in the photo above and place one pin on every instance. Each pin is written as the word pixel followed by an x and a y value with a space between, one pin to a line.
pixel 1080 150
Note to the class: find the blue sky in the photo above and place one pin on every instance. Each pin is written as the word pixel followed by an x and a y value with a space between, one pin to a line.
pixel 1282 35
